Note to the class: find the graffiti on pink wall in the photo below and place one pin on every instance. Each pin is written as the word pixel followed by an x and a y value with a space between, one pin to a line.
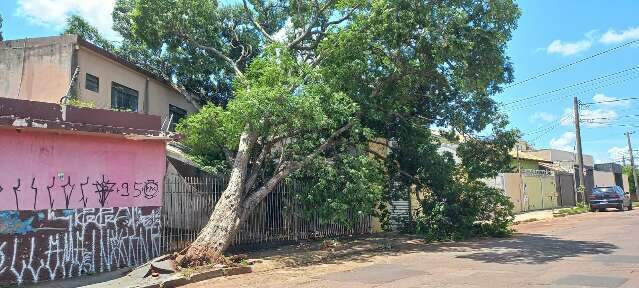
pixel 51 171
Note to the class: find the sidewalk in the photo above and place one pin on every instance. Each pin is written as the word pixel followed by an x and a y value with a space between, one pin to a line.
pixel 534 216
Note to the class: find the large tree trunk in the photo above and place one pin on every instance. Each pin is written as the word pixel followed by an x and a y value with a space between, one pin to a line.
pixel 234 206
pixel 227 215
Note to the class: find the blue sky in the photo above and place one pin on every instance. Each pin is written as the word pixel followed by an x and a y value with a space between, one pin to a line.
pixel 550 34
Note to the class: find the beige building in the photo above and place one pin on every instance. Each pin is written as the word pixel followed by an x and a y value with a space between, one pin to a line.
pixel 42 69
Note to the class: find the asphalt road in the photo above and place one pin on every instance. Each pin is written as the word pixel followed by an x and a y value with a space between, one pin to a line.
pixel 589 250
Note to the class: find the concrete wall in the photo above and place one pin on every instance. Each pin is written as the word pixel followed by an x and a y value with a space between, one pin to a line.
pixel 36 69
pixel 561 156
pixel 75 204
pixel 159 94
pixel 604 178
pixel 626 183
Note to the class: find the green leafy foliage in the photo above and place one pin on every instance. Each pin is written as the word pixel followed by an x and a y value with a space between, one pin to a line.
pixel 77 25
pixel 627 172
pixel 80 103
pixel 274 100
pixel 350 186
pixel 466 209
pixel 494 154
pixel 388 70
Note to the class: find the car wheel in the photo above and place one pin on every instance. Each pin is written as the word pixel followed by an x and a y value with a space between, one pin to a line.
pixel 630 206
pixel 592 209
pixel 602 209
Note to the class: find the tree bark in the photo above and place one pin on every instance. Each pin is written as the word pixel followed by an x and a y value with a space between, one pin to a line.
pixel 226 218
pixel 234 206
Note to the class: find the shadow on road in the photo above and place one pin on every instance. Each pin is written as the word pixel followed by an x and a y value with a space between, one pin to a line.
pixel 533 249
pixel 522 248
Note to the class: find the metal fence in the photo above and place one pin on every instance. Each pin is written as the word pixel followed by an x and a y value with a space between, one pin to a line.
pixel 188 203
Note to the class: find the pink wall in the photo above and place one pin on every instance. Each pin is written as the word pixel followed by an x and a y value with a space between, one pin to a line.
pixel 77 171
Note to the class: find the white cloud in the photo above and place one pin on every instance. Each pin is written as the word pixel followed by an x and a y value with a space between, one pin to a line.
pixel 567 119
pixel 599 117
pixel 543 116
pixel 565 142
pixel 613 36
pixel 605 99
pixel 55 12
pixel 617 152
pixel 568 48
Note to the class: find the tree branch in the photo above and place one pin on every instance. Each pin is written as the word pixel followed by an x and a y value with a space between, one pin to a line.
pixel 252 200
pixel 309 29
pixel 311 24
pixel 383 158
pixel 231 63
pixel 255 170
pixel 329 142
pixel 257 24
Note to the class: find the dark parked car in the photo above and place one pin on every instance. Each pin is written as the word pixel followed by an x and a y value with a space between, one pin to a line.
pixel 609 197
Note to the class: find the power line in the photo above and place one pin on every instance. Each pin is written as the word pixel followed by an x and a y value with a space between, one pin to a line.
pixel 572 86
pixel 570 64
pixel 546 127
pixel 610 101
pixel 585 120
pixel 526 105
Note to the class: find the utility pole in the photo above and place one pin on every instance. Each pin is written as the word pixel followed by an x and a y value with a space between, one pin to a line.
pixel 580 156
pixel 521 182
pixel 632 163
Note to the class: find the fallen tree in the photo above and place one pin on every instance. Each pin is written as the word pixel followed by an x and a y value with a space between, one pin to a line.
pixel 313 83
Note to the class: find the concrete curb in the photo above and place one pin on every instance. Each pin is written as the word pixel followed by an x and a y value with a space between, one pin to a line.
pixel 180 280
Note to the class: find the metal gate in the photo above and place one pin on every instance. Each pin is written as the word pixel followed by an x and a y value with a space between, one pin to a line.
pixel 188 203
pixel 566 189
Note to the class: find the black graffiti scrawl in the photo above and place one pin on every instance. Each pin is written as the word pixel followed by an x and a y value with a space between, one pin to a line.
pixel 151 189
pixel 69 192
pixel 103 188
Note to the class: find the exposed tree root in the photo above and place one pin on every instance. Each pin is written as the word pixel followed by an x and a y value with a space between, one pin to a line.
pixel 194 256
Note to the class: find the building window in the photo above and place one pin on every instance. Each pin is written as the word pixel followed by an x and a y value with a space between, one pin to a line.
pixel 92 83
pixel 175 114
pixel 123 98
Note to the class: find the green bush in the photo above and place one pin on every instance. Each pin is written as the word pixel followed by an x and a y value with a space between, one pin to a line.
pixel 80 103
pixel 465 210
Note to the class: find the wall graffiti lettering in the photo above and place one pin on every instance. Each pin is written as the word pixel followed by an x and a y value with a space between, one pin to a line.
pixel 103 189
pixel 82 192
pixel 84 199
pixel 67 196
pixel 15 192
pixel 38 245
pixel 151 189
pixel 35 192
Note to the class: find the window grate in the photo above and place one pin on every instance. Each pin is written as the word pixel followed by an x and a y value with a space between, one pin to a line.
pixel 92 83
pixel 123 98
pixel 175 114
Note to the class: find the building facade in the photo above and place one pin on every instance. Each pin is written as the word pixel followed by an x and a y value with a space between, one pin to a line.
pixel 42 69
pixel 81 190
